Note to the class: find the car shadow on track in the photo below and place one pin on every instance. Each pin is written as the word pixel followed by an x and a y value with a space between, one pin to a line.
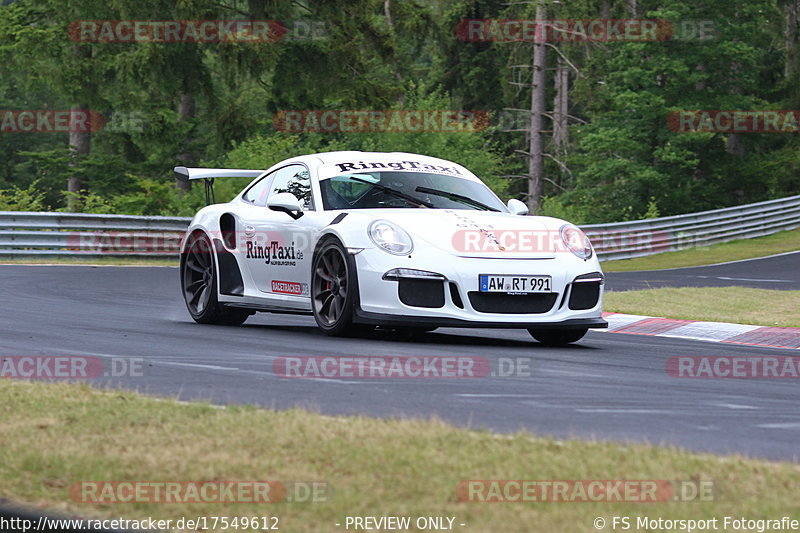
pixel 436 338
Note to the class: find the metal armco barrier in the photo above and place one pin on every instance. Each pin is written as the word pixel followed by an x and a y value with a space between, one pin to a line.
pixel 623 240
pixel 24 234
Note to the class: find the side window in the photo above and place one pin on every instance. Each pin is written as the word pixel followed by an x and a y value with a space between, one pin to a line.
pixel 257 194
pixel 296 180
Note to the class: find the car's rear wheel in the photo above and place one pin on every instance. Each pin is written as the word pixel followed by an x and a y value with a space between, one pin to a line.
pixel 199 285
pixel 557 337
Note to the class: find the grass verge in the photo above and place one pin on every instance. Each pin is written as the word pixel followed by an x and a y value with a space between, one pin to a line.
pixel 54 435
pixel 785 241
pixel 740 305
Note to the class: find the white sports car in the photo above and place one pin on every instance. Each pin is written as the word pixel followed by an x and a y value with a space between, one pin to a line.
pixel 396 240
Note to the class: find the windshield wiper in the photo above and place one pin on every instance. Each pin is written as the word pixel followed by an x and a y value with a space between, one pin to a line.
pixel 394 192
pixel 456 197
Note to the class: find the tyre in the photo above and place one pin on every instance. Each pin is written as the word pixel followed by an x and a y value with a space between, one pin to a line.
pixel 199 285
pixel 334 290
pixel 557 337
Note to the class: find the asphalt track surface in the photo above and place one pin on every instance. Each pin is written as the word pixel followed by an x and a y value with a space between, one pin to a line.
pixel 779 272
pixel 608 387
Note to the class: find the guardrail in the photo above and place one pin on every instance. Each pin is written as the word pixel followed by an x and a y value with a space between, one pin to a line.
pixel 623 240
pixel 24 234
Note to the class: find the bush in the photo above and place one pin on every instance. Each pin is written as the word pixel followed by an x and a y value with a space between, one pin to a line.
pixel 560 207
pixel 17 199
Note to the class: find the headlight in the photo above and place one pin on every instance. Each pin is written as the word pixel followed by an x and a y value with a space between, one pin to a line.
pixel 576 241
pixel 390 237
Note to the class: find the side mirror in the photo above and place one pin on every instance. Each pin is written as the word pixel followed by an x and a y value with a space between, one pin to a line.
pixel 286 202
pixel 516 207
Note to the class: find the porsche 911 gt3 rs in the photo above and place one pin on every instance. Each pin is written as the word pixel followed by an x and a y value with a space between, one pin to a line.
pixel 396 240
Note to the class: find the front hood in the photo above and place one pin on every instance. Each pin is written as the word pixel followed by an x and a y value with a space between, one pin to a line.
pixel 478 234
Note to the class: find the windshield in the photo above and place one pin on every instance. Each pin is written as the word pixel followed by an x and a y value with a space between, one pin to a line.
pixel 369 190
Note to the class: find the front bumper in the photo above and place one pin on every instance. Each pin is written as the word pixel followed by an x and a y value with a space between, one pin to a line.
pixel 458 301
pixel 378 319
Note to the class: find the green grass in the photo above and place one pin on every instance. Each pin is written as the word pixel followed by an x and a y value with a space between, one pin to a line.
pixel 102 261
pixel 740 305
pixel 54 435
pixel 785 241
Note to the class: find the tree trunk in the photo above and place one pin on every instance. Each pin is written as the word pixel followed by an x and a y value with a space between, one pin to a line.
pixel 387 11
pixel 791 68
pixel 561 108
pixel 257 9
pixel 733 145
pixel 186 113
pixel 538 92
pixel 80 145
pixel 791 34
pixel 80 135
pixel 605 10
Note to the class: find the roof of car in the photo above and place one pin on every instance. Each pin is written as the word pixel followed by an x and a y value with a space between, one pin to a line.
pixel 346 155
pixel 330 164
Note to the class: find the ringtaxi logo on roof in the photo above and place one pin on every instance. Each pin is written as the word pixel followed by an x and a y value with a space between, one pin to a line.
pixel 414 166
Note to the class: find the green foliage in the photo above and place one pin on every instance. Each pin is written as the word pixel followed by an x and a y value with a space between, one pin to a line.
pixel 27 199
pixel 560 207
pixel 652 209
pixel 158 197
pixel 628 157
pixel 474 150
pixel 145 197
pixel 87 202
pixel 621 162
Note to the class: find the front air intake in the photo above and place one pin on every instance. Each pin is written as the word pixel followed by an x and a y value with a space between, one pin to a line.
pixel 421 292
pixel 512 304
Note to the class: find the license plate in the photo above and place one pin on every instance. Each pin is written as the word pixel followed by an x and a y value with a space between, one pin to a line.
pixel 519 284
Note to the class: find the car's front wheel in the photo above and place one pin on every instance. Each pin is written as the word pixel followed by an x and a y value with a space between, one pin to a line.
pixel 334 289
pixel 199 285
pixel 557 337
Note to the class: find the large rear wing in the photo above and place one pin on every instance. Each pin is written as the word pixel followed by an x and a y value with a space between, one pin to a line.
pixel 208 175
